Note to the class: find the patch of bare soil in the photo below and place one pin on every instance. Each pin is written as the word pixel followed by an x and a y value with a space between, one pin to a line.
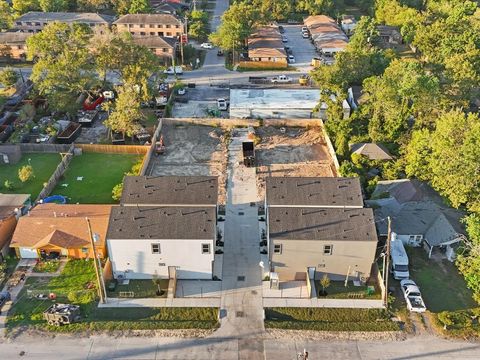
pixel 303 335
pixel 291 152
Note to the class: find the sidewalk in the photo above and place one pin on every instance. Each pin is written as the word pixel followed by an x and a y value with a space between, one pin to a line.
pixel 160 302
pixel 327 303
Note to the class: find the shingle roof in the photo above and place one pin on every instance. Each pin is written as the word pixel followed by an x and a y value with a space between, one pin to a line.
pixel 154 41
pixel 325 32
pixel 322 224
pixel 266 42
pixel 373 151
pixel 44 219
pixel 63 240
pixel 159 222
pixel 165 19
pixel 11 37
pixel 65 17
pixel 170 190
pixel 314 191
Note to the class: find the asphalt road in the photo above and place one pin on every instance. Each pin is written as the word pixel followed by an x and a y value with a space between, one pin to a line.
pixel 226 348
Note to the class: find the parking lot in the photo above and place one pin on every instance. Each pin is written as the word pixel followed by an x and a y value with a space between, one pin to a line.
pixel 302 49
pixel 200 102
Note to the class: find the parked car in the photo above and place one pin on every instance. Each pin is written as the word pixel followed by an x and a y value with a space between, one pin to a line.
pixel 220 52
pixel 304 29
pixel 281 29
pixel 281 79
pixel 291 59
pixel 412 295
pixel 284 39
pixel 222 104
pixel 171 71
pixel 206 45
pixel 181 91
pixel 288 49
pixel 305 35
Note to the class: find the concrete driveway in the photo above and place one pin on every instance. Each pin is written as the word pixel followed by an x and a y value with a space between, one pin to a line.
pixel 303 49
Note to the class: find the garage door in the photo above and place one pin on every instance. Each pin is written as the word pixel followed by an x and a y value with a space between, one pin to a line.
pixel 27 253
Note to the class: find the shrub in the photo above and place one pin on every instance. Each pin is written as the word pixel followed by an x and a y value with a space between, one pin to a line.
pixel 117 192
pixel 8 185
pixel 81 297
pixel 8 77
pixel 25 173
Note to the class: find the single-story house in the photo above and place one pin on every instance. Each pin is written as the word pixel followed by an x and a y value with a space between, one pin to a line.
pixel 12 206
pixel 327 36
pixel 62 229
pixel 278 104
pixel 319 226
pixel 348 24
pixel 419 215
pixel 373 151
pixel 164 222
pixel 265 45
pixel 389 34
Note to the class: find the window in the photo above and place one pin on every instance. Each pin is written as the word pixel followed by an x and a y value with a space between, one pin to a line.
pixel 151 26
pixel 169 34
pixel 155 248
pixel 37 24
pixel 411 237
pixel 142 33
pixel 327 249
pixel 160 34
pixel 142 26
pixel 152 33
pixel 177 26
pixel 168 26
pixel 205 248
pixel 418 237
pixel 159 26
pixel 277 249
pixel 18 23
pixel 164 49
pixel 29 23
pixel 84 250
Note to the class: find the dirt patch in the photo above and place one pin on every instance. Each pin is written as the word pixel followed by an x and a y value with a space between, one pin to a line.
pixel 303 335
pixel 192 150
pixel 291 151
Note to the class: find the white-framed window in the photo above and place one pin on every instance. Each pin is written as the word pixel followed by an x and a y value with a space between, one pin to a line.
pixel 156 248
pixel 418 237
pixel 327 249
pixel 84 250
pixel 277 248
pixel 205 248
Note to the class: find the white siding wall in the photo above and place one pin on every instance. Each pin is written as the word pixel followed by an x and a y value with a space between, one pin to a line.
pixel 28 253
pixel 136 256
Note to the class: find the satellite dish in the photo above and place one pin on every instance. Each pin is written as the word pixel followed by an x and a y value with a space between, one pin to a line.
pixel 261 264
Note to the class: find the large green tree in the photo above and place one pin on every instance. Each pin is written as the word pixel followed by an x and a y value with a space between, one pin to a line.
pixel 6 16
pixel 198 24
pixel 314 7
pixel 238 22
pixel 139 7
pixel 8 77
pixel 54 5
pixel 23 6
pixel 468 262
pixel 63 67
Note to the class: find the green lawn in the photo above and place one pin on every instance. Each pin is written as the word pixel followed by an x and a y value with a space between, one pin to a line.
pixel 100 172
pixel 442 287
pixel 43 167
pixel 141 288
pixel 337 290
pixel 329 319
pixel 76 284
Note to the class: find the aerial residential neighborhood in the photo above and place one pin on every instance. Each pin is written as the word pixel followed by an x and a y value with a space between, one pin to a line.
pixel 239 179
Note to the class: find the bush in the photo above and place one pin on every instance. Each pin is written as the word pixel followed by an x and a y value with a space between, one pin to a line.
pixel 117 192
pixel 8 77
pixel 82 296
pixel 8 185
pixel 25 173
pixel 261 65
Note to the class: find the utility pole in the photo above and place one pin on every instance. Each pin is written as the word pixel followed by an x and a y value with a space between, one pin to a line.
pixel 387 260
pixel 95 259
pixel 194 5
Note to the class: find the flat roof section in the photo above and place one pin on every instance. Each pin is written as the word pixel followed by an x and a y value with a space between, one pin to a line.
pixel 161 222
pixel 314 192
pixel 322 224
pixel 170 190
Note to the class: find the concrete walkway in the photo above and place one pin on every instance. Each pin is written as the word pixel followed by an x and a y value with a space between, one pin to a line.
pixel 330 303
pixel 160 302
pixel 241 305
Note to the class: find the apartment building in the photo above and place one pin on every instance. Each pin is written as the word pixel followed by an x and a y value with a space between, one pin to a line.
pixel 35 21
pixel 163 47
pixel 13 44
pixel 164 25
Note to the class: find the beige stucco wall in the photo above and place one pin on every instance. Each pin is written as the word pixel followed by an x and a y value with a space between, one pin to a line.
pixel 298 255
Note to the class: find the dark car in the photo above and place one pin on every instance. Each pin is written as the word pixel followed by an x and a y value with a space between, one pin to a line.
pixel 220 52
pixel 4 297
pixel 281 29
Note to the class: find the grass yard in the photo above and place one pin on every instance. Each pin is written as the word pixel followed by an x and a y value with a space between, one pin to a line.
pixel 76 284
pixel 337 290
pixel 329 319
pixel 140 288
pixel 100 172
pixel 46 266
pixel 43 167
pixel 442 287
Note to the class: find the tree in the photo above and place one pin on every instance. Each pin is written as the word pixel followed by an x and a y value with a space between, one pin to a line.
pixel 92 5
pixel 325 283
pixel 139 7
pixel 25 173
pixel 8 77
pixel 417 154
pixel 238 22
pixel 274 9
pixel 125 112
pixel 314 7
pixel 6 16
pixel 54 5
pixel 122 7
pixel 198 24
pixel 63 69
pixel 24 6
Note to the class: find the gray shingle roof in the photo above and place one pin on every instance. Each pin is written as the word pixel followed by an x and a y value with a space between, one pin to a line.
pixel 170 190
pixel 371 150
pixel 314 191
pixel 66 17
pixel 152 222
pixel 322 224
pixel 164 19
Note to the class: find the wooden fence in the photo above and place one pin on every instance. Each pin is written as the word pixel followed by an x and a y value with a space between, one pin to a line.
pixel 59 171
pixel 114 149
pixel 262 65
pixel 151 150
pixel 44 148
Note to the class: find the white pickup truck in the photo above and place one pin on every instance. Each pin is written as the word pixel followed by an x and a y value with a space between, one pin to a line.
pixel 281 79
pixel 412 295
